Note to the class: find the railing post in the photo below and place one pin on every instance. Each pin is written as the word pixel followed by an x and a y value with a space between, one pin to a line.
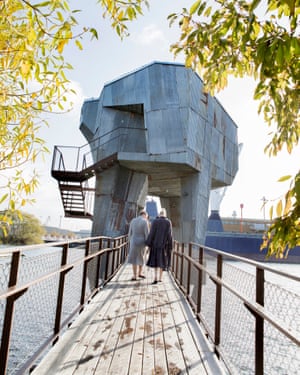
pixel 84 274
pixel 189 270
pixel 54 158
pixel 107 256
pixel 60 293
pixel 200 272
pixel 177 260
pixel 9 312
pixel 259 331
pixel 113 258
pixel 218 302
pixel 125 249
pixel 181 268
pixel 98 276
pixel 121 251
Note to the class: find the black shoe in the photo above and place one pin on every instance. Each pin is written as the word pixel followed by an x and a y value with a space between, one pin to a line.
pixel 154 282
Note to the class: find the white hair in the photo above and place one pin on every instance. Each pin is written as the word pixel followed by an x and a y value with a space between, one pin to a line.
pixel 163 212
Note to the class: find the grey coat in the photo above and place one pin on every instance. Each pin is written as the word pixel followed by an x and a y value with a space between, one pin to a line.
pixel 137 235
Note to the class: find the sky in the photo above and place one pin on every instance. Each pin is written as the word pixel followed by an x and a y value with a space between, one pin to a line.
pixel 108 58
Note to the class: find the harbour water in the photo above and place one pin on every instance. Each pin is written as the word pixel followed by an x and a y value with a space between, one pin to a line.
pixel 293 269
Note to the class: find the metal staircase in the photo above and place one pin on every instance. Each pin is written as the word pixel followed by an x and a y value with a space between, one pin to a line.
pixel 76 195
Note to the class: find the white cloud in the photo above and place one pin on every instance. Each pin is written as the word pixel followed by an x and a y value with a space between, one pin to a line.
pixel 150 35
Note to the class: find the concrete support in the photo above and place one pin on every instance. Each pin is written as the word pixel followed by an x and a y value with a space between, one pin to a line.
pixel 120 193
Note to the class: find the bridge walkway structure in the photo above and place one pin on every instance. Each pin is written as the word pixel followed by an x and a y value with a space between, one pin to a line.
pixel 134 327
pixel 72 308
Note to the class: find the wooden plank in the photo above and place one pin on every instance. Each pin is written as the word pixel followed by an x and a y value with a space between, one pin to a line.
pixel 65 351
pixel 161 366
pixel 198 354
pixel 136 360
pixel 111 344
pixel 133 328
pixel 148 358
pixel 96 343
pixel 172 343
pixel 188 346
pixel 123 348
pixel 97 347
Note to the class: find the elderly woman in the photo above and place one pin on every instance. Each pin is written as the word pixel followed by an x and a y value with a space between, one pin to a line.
pixel 160 243
pixel 137 235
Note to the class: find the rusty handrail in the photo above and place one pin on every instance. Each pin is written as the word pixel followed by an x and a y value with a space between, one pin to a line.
pixel 182 257
pixel 107 248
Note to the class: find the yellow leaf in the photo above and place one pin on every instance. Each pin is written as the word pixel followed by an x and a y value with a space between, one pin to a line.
pixel 279 208
pixel 25 68
pixel 284 178
pixel 60 46
pixel 79 45
pixel 271 213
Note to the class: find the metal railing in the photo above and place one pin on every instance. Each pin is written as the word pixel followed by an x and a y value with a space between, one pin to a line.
pixel 77 159
pixel 253 324
pixel 80 269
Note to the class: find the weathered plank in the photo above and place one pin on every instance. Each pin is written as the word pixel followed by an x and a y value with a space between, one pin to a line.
pixel 126 335
pixel 133 328
pixel 172 343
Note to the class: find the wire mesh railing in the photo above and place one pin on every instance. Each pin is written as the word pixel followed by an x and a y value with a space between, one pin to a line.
pixel 247 312
pixel 252 322
pixel 44 287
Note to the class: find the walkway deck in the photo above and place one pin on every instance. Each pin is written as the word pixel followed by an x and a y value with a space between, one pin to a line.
pixel 133 327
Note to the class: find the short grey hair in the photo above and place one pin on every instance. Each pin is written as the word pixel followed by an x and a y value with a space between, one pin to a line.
pixel 163 212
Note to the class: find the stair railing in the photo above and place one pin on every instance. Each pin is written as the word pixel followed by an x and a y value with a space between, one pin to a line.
pixel 85 156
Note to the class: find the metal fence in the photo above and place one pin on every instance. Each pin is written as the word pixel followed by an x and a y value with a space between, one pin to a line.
pixel 44 287
pixel 253 324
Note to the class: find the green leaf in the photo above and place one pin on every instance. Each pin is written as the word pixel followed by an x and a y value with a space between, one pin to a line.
pixel 194 7
pixel 284 178
pixel 3 198
pixel 94 33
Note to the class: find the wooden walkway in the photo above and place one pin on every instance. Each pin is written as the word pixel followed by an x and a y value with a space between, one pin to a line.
pixel 133 327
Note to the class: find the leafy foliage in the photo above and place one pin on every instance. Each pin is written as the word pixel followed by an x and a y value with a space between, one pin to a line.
pixel 284 233
pixel 22 229
pixel 121 12
pixel 32 81
pixel 259 39
pixel 219 38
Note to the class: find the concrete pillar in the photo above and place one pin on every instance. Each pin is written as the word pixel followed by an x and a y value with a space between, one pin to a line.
pixel 120 193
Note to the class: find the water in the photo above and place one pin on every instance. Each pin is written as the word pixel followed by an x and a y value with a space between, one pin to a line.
pixel 292 269
pixel 282 303
pixel 34 314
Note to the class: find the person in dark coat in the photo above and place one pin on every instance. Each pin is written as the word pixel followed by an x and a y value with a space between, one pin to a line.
pixel 160 243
